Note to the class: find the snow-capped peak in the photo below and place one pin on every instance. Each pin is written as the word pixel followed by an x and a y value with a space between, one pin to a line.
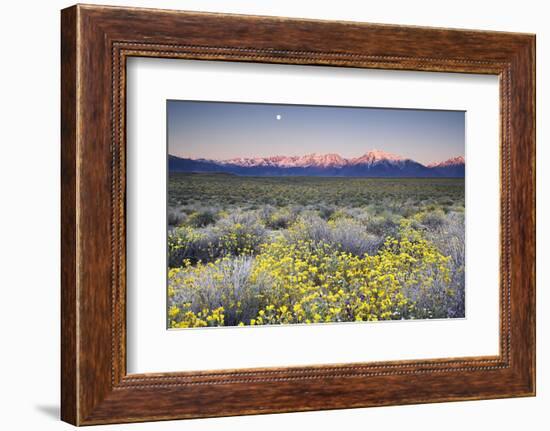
pixel 320 160
pixel 331 160
pixel 453 161
pixel 377 156
pixel 313 159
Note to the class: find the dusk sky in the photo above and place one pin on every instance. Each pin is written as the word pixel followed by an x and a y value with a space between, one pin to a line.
pixel 217 130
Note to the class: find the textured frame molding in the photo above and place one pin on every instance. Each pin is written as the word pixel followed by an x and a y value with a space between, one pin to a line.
pixel 96 41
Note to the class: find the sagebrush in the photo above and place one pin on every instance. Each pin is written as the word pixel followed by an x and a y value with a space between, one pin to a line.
pixel 255 251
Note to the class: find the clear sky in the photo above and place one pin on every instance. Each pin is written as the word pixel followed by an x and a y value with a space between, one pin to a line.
pixel 217 130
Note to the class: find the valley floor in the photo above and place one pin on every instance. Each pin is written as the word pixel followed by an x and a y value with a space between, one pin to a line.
pixel 281 250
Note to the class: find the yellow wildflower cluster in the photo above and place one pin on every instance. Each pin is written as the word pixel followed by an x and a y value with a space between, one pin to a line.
pixel 184 317
pixel 302 281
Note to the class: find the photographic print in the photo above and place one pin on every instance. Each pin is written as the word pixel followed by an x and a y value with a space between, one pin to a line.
pixel 301 214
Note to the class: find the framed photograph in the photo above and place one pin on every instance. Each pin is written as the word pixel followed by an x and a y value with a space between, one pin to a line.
pixel 265 215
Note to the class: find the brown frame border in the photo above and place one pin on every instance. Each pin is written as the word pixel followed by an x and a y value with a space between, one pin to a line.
pixel 95 43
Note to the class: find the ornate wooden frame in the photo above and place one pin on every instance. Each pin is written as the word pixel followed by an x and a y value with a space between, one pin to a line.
pixel 95 42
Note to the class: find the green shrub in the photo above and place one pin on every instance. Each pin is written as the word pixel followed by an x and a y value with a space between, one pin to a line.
pixel 201 218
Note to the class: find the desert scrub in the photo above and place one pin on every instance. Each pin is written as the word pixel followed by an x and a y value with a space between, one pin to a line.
pixel 219 293
pixel 232 236
pixel 201 218
pixel 175 218
pixel 240 233
pixel 449 238
pixel 188 244
pixel 384 193
pixel 281 218
pixel 342 234
pixel 351 219
pixel 383 225
pixel 300 282
pixel 431 220
pixel 431 290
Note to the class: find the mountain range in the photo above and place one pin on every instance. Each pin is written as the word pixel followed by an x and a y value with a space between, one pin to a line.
pixel 373 163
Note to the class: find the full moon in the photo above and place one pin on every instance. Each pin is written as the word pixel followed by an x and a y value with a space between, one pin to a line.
pixel 278 116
